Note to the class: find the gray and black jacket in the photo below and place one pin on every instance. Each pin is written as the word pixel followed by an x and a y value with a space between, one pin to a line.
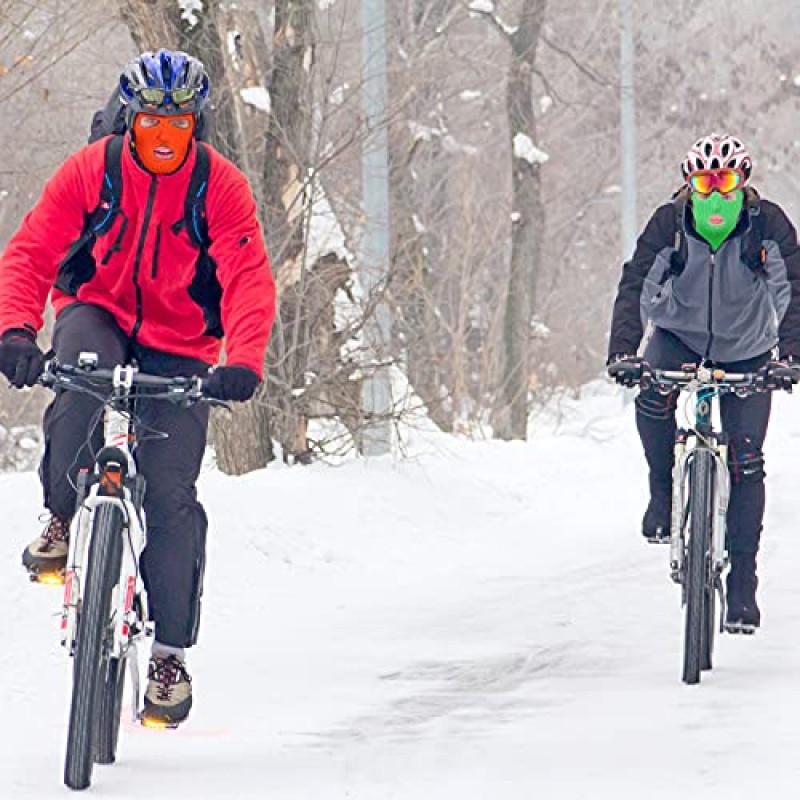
pixel 729 305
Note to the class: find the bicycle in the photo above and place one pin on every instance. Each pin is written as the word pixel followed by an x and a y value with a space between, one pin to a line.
pixel 700 494
pixel 104 614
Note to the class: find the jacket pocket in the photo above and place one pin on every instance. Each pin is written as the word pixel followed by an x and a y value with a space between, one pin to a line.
pixel 657 286
pixel 117 244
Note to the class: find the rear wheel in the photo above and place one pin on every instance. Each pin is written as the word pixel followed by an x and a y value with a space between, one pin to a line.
pixel 89 669
pixel 696 646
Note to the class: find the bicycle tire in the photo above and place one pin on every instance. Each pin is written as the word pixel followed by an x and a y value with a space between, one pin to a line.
pixel 102 572
pixel 111 691
pixel 709 623
pixel 701 474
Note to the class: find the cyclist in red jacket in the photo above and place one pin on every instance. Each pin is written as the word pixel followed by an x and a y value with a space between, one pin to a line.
pixel 130 278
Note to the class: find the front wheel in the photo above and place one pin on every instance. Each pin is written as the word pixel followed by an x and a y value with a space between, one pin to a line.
pixel 709 623
pixel 93 640
pixel 112 688
pixel 699 606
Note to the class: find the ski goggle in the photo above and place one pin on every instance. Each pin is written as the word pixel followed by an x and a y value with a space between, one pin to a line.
pixel 157 97
pixel 705 181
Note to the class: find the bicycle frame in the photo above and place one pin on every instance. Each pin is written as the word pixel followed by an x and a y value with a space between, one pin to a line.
pixel 115 482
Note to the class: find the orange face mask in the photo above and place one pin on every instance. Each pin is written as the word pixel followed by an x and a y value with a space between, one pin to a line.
pixel 162 142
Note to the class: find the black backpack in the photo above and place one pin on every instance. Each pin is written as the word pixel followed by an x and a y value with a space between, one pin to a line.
pixel 79 265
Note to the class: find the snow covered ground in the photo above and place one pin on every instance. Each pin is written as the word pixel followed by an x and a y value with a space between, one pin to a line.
pixel 480 620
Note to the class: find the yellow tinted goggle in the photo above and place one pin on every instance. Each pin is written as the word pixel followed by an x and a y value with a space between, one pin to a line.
pixel 157 97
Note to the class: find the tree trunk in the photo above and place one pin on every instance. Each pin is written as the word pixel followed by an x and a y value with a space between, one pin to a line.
pixel 527 226
pixel 418 172
pixel 286 201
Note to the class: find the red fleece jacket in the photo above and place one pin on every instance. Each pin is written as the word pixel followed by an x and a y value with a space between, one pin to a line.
pixel 146 279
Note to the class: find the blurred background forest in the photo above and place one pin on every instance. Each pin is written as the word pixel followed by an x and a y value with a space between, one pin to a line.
pixel 504 178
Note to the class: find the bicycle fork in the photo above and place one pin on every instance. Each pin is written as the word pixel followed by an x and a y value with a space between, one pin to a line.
pixel 680 512
pixel 128 620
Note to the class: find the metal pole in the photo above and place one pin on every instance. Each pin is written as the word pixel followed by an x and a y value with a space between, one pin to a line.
pixel 628 132
pixel 376 394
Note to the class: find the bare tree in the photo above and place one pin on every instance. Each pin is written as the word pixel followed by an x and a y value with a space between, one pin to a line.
pixel 510 416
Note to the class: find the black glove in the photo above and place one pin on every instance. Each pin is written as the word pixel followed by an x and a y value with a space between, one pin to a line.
pixel 627 370
pixel 781 374
pixel 231 383
pixel 21 361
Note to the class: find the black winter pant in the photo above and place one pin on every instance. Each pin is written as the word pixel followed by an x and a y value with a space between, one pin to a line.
pixel 174 557
pixel 745 421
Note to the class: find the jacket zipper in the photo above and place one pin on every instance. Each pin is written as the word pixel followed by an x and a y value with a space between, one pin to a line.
pixel 154 271
pixel 710 304
pixel 138 260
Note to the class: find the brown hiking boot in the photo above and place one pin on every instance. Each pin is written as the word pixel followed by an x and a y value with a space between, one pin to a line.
pixel 168 698
pixel 46 555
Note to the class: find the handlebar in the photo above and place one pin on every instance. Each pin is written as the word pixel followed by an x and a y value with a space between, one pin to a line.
pixel 126 380
pixel 696 377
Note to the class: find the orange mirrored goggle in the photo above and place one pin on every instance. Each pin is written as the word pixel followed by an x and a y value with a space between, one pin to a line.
pixel 706 181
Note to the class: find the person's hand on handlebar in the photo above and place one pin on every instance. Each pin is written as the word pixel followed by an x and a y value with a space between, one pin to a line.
pixel 231 383
pixel 628 370
pixel 21 360
pixel 782 373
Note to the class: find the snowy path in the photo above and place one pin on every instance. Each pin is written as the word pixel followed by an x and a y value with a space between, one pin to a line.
pixel 479 622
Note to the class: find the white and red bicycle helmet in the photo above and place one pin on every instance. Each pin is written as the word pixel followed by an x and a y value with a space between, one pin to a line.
pixel 717 151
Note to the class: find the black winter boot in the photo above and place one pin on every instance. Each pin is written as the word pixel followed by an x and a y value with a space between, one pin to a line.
pixel 657 518
pixel 743 615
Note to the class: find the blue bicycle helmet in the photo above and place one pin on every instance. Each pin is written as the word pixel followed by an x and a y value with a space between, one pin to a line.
pixel 167 82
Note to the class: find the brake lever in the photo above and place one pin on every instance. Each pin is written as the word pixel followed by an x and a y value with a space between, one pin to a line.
pixel 212 401
pixel 194 392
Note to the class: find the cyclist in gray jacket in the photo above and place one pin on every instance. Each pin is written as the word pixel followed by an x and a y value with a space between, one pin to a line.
pixel 717 273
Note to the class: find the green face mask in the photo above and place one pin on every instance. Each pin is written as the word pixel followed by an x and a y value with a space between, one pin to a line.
pixel 716 216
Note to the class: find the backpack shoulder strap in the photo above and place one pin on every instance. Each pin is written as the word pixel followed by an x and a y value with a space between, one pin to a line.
pixel 194 212
pixel 101 219
pixel 754 253
pixel 680 250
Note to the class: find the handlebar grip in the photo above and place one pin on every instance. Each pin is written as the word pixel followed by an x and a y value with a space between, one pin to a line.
pixel 792 373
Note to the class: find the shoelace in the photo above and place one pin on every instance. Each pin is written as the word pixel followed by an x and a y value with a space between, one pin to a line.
pixel 57 530
pixel 167 672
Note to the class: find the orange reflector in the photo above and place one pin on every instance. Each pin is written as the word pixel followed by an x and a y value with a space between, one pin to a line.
pixel 50 578
pixel 156 724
